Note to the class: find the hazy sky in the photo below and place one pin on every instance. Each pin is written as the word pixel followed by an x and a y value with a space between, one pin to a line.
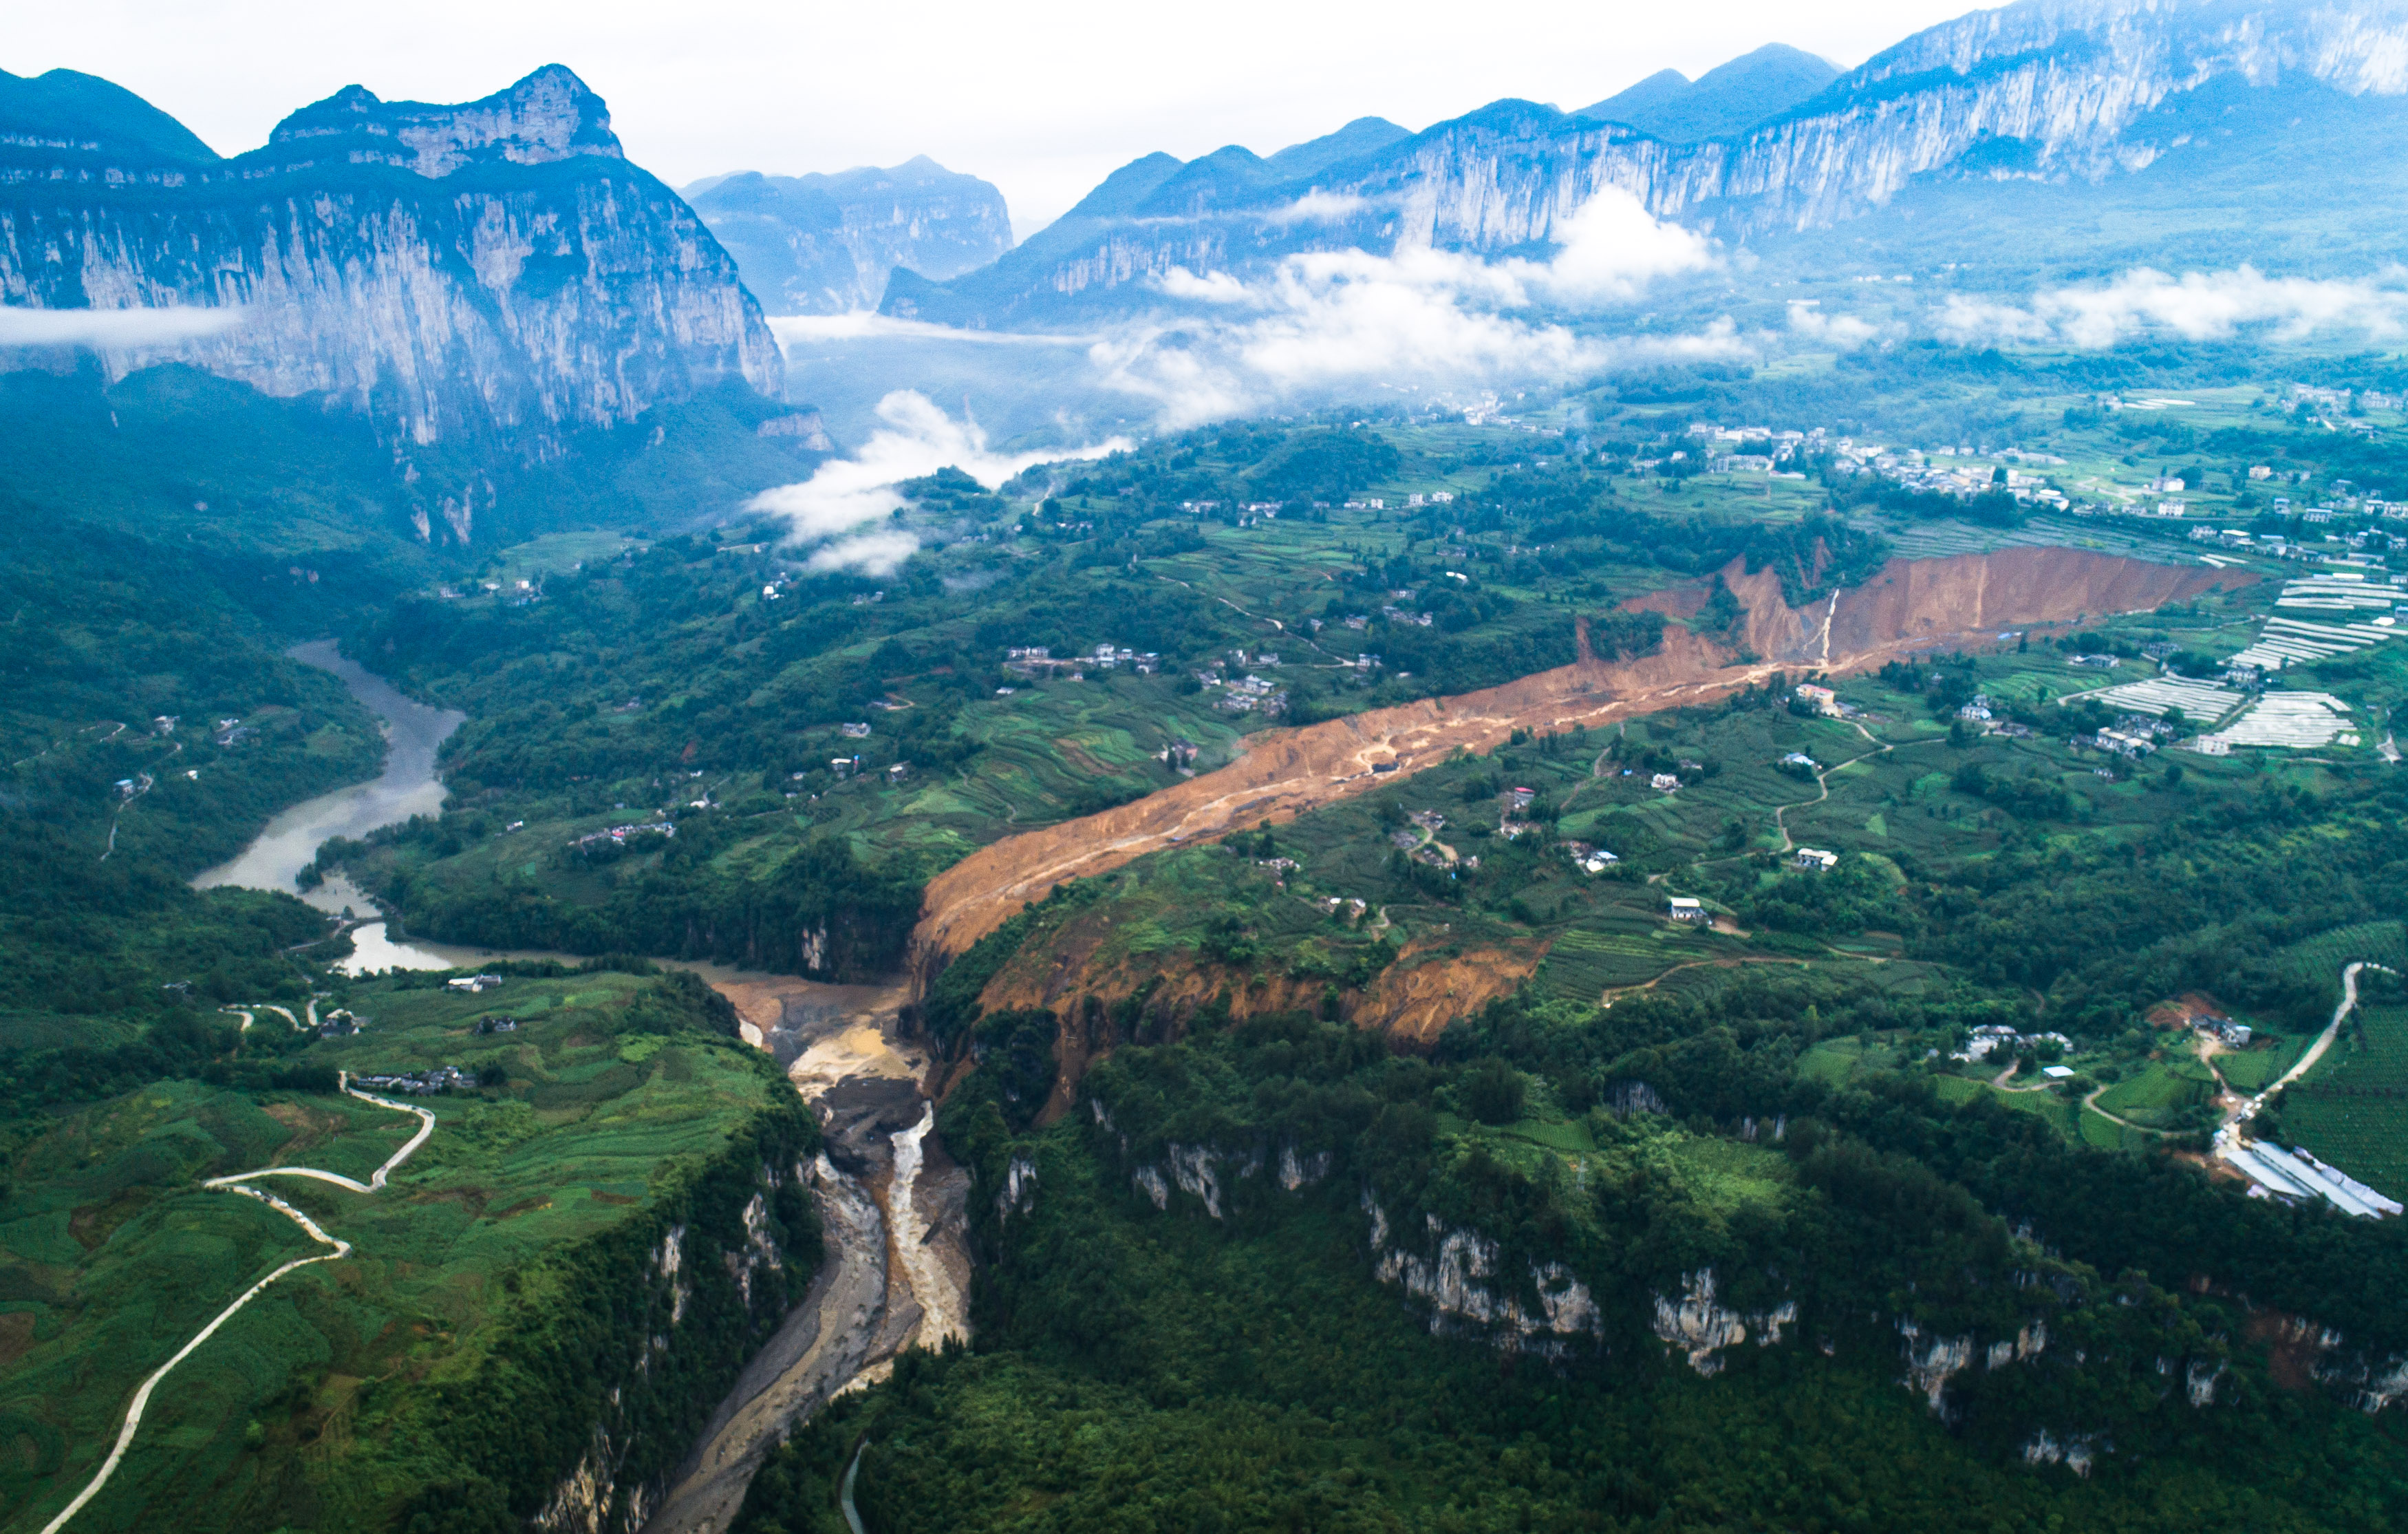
pixel 1044 101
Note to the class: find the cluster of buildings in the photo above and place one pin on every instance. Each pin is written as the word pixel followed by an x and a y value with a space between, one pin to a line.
pixel 2132 736
pixel 1822 701
pixel 1250 694
pixel 1995 1037
pixel 1032 659
pixel 422 1084
pixel 616 836
pixel 474 985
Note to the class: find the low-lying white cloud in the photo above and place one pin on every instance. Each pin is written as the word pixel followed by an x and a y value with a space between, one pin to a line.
pixel 1420 320
pixel 114 329
pixel 2195 306
pixel 833 508
pixel 1612 247
pixel 1322 207
pixel 1807 322
pixel 865 324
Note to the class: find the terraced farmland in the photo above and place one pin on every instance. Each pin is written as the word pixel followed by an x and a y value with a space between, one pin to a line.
pixel 2353 1108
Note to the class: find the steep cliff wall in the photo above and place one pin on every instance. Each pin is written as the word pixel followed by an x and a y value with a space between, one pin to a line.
pixel 573 1418
pixel 491 268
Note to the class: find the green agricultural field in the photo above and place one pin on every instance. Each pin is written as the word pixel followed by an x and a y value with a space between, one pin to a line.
pixel 2058 1114
pixel 2319 960
pixel 112 1253
pixel 2353 1108
pixel 2156 1096
pixel 2256 1069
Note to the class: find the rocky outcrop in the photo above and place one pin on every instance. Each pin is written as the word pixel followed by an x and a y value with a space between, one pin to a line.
pixel 1700 1328
pixel 1932 1361
pixel 827 244
pixel 1018 1194
pixel 495 267
pixel 2075 1453
pixel 1459 1282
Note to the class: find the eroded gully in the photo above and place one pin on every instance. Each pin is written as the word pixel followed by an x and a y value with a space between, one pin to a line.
pixel 895 1271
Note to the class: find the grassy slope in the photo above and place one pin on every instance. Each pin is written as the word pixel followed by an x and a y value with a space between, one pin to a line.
pixel 114 1256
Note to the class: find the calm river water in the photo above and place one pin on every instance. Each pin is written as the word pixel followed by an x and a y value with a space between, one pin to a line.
pixel 407 786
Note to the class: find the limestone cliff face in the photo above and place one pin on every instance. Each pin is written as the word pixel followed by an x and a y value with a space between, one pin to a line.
pixel 493 267
pixel 2053 90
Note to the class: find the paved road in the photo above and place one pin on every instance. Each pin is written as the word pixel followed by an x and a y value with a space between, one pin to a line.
pixel 240 1182
pixel 2308 1061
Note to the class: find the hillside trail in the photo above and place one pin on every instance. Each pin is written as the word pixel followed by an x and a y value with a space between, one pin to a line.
pixel 1909 606
pixel 240 1182
pixel 1823 785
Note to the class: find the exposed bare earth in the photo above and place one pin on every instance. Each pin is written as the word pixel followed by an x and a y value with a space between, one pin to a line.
pixel 1908 606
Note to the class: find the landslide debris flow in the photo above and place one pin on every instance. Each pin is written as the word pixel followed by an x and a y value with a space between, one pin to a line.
pixel 1906 605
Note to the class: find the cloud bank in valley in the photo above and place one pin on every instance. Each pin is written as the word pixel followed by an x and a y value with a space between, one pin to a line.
pixel 114 329
pixel 1330 321
pixel 2143 304
pixel 832 513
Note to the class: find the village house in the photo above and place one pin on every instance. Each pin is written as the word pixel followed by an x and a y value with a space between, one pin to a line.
pixel 1683 908
pixel 474 984
pixel 1815 860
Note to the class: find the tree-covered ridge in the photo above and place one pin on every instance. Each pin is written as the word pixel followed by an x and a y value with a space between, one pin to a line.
pixel 1129 1359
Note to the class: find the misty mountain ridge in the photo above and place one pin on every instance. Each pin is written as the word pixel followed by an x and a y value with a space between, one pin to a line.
pixel 65 113
pixel 1723 102
pixel 490 268
pixel 2072 104
pixel 827 244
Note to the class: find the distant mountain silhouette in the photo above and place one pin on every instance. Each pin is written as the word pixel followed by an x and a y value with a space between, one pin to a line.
pixel 1721 103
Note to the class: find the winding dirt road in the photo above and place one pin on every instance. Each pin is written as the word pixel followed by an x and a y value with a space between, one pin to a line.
pixel 240 1182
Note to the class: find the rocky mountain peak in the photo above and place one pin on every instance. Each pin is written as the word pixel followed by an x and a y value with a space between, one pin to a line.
pixel 551 115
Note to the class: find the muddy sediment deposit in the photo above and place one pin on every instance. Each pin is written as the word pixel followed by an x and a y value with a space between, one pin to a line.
pixel 895 1270
pixel 1906 608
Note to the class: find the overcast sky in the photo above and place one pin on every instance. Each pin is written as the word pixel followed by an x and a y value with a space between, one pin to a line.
pixel 1044 101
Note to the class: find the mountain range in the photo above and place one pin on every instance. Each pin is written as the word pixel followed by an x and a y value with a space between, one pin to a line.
pixel 2245 111
pixel 498 269
pixel 1729 99
pixel 825 244
pixel 493 267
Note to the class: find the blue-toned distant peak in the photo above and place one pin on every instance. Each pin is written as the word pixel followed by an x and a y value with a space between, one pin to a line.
pixel 549 115
pixel 1121 193
pixel 1365 135
pixel 1722 103
pixel 67 111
